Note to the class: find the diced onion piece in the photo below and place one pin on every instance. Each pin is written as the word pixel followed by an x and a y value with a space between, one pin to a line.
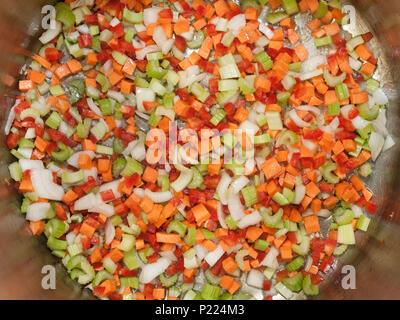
pixel 183 180
pixel 10 118
pixel 141 54
pixel 255 278
pixel 376 142
pixel 235 206
pixel 80 3
pixel 90 173
pixel 239 184
pixel 44 186
pixel 297 120
pixel 355 64
pixel 139 192
pixel 316 111
pixel 153 270
pixel 344 111
pixel 249 127
pixel 249 220
pixel 212 257
pixel 113 186
pixel 357 211
pixel 270 259
pixel 380 123
pixel 201 252
pixel 221 216
pixel 188 76
pixel 108 66
pixel 85 202
pixel 188 36
pixel 389 142
pixel 158 197
pixel 237 23
pixel 312 63
pixel 312 74
pixel 161 40
pixel 144 94
pixel 37 211
pixel 27 164
pixel 102 207
pixel 118 96
pixel 263 28
pixel 332 127
pixel 94 107
pixel 299 194
pixel 380 97
pixel 324 213
pixel 150 15
pixel 169 255
pixel 109 232
pixel 50 34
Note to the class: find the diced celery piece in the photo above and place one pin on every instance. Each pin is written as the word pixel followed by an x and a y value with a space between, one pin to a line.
pixel 199 91
pixel 226 85
pixel 227 39
pixel 57 90
pixel 322 9
pixel 290 6
pixel 172 77
pixel 104 150
pixel 132 16
pixel 15 171
pixel 363 223
pixel 265 60
pixel 274 120
pixel 250 195
pixel 324 41
pixel 105 106
pixel 132 167
pixel 262 139
pixel 129 34
pixel 94 30
pixel 227 67
pixel 246 84
pixel 119 57
pixel 72 177
pixel 334 109
pixel 261 245
pixel 154 56
pixel 276 17
pixel 99 130
pixel 218 116
pixel 157 87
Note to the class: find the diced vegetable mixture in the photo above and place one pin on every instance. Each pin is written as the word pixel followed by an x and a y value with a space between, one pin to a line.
pixel 198 149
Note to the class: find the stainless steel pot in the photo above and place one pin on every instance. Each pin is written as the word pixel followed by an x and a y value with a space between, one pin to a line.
pixel 376 258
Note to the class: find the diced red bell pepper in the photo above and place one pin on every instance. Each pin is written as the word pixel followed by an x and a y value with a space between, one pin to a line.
pixel 84 41
pixel 180 43
pixel 91 19
pixel 53 54
pixel 107 195
pixel 118 30
pixel 12 140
